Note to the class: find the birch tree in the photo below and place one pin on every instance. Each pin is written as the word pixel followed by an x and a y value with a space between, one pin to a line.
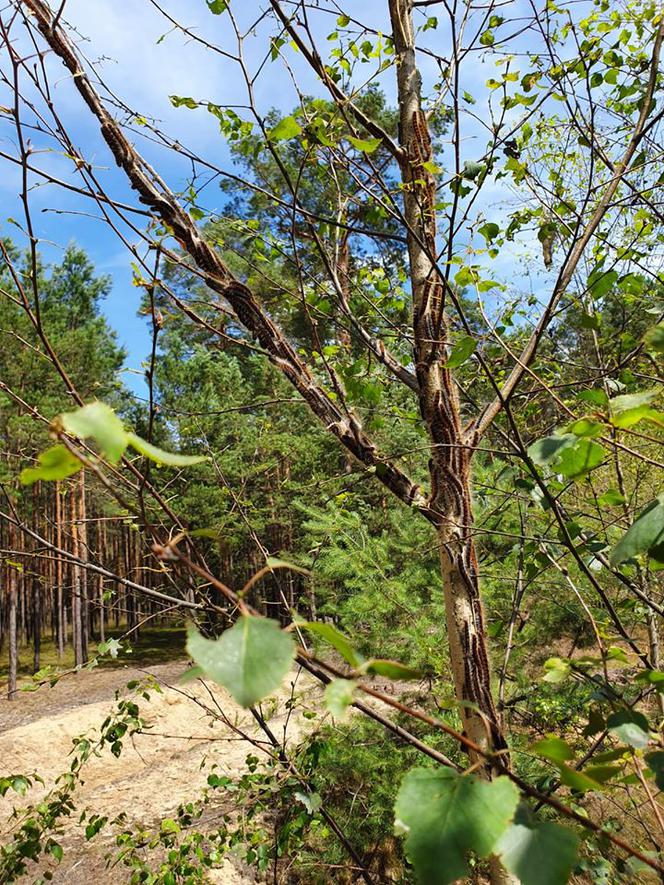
pixel 557 147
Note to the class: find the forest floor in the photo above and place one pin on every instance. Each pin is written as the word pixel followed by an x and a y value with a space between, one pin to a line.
pixel 160 767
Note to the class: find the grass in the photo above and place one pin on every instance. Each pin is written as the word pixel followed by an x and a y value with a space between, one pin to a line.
pixel 154 645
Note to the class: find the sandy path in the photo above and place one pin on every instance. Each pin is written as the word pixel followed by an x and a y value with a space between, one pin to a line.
pixel 157 770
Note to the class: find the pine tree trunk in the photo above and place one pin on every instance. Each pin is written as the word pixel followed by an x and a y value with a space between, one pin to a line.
pixel 60 614
pixel 82 535
pixel 36 581
pixel 12 606
pixel 137 572
pixel 22 632
pixel 120 569
pixel 100 586
pixel 36 622
pixel 76 623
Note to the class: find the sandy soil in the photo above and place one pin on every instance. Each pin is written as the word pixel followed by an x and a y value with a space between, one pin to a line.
pixel 158 769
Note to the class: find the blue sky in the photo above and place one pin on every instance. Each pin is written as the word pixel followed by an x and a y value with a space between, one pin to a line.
pixel 123 36
pixel 144 73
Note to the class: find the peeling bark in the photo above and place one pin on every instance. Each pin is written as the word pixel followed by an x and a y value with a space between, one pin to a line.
pixel 449 466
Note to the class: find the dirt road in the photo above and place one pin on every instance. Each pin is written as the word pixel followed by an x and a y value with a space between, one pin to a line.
pixel 159 768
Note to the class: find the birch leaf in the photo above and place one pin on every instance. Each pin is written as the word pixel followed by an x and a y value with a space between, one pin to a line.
pixel 250 659
pixel 99 422
pixel 159 456
pixel 55 463
pixel 445 815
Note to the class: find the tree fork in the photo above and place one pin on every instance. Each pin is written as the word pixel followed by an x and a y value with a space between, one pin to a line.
pixel 449 506
pixel 449 466
pixel 153 192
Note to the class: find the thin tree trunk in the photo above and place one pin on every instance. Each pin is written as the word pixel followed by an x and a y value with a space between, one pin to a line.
pixel 439 403
pixel 36 621
pixel 82 536
pixel 449 466
pixel 76 580
pixel 100 589
pixel 22 632
pixel 653 647
pixel 138 564
pixel 37 583
pixel 60 616
pixel 12 638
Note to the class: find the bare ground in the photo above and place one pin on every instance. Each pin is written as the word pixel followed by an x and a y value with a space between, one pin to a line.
pixel 158 768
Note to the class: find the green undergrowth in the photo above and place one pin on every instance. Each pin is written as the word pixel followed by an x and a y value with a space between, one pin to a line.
pixel 152 646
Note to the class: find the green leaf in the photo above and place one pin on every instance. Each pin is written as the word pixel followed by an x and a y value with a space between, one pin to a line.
pixel 629 401
pixel 55 463
pixel 183 101
pixel 610 755
pixel 545 450
pixel 339 696
pixel 471 170
pixel 652 677
pixel 615 653
pixel 602 773
pixel 655 762
pixel 445 815
pixel 553 748
pixel 611 497
pixel 275 563
pixel 99 422
pixel 250 659
pixel 570 455
pixel 205 533
pixel 645 535
pixel 601 282
pixel 630 727
pixel 111 646
pixel 56 850
pixel 539 854
pixel 589 321
pixel 367 145
pixel 577 780
pixel 159 456
pixel 556 670
pixel 576 461
pixel 311 801
pixel 390 669
pixel 216 7
pixel 336 639
pixel 630 417
pixel 489 231
pixel 596 723
pixel 629 409
pixel 464 348
pixel 285 129
pixel 596 397
pixel 654 339
pixel 192 673
pixel 585 427
pixel 20 784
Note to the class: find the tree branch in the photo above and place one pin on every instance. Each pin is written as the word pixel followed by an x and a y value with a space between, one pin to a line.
pixel 154 192
pixel 620 169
